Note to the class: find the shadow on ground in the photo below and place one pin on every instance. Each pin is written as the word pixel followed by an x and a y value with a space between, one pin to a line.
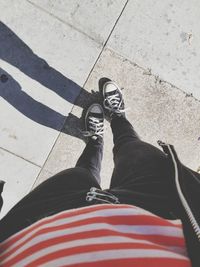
pixel 15 52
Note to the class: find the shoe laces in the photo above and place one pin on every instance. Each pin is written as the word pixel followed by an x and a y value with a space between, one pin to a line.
pixel 114 103
pixel 96 127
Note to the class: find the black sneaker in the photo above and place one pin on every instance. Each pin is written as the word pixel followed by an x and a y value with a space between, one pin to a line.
pixel 94 122
pixel 113 99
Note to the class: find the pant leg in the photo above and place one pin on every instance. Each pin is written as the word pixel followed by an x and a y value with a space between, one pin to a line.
pixel 91 158
pixel 142 174
pixel 65 190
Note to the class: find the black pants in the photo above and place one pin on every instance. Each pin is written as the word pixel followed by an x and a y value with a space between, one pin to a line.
pixel 142 176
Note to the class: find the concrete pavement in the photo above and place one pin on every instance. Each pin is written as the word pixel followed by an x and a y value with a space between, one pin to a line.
pixel 52 54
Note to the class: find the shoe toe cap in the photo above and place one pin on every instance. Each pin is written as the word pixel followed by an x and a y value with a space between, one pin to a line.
pixel 96 109
pixel 109 87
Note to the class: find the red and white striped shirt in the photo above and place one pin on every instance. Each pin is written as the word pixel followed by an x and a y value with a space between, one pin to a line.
pixel 99 235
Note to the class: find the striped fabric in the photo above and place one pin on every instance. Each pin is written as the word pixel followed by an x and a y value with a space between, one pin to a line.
pixel 99 235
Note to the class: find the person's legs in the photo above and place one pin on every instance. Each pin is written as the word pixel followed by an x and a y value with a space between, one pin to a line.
pixel 131 154
pixel 92 155
pixel 141 169
pixel 91 158
pixel 142 174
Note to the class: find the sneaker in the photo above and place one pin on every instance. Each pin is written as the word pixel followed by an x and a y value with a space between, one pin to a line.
pixel 94 122
pixel 113 99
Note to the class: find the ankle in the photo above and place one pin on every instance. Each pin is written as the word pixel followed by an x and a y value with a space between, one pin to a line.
pixel 98 141
pixel 117 115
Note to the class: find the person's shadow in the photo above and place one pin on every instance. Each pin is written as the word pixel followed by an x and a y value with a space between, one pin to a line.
pixel 15 52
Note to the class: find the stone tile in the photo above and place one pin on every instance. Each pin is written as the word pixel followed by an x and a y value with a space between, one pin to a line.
pixel 164 37
pixel 19 176
pixel 23 136
pixel 156 109
pixel 39 62
pixel 95 18
pixel 64 155
pixel 66 149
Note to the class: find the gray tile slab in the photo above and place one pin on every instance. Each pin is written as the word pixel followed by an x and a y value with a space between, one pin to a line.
pixel 163 36
pixel 19 176
pixel 156 109
pixel 67 148
pixel 24 137
pixel 40 57
pixel 93 17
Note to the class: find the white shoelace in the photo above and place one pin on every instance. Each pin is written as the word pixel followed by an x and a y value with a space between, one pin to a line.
pixel 114 103
pixel 96 128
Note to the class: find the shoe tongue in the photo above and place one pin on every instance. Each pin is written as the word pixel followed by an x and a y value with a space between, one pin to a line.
pixel 96 115
pixel 114 92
